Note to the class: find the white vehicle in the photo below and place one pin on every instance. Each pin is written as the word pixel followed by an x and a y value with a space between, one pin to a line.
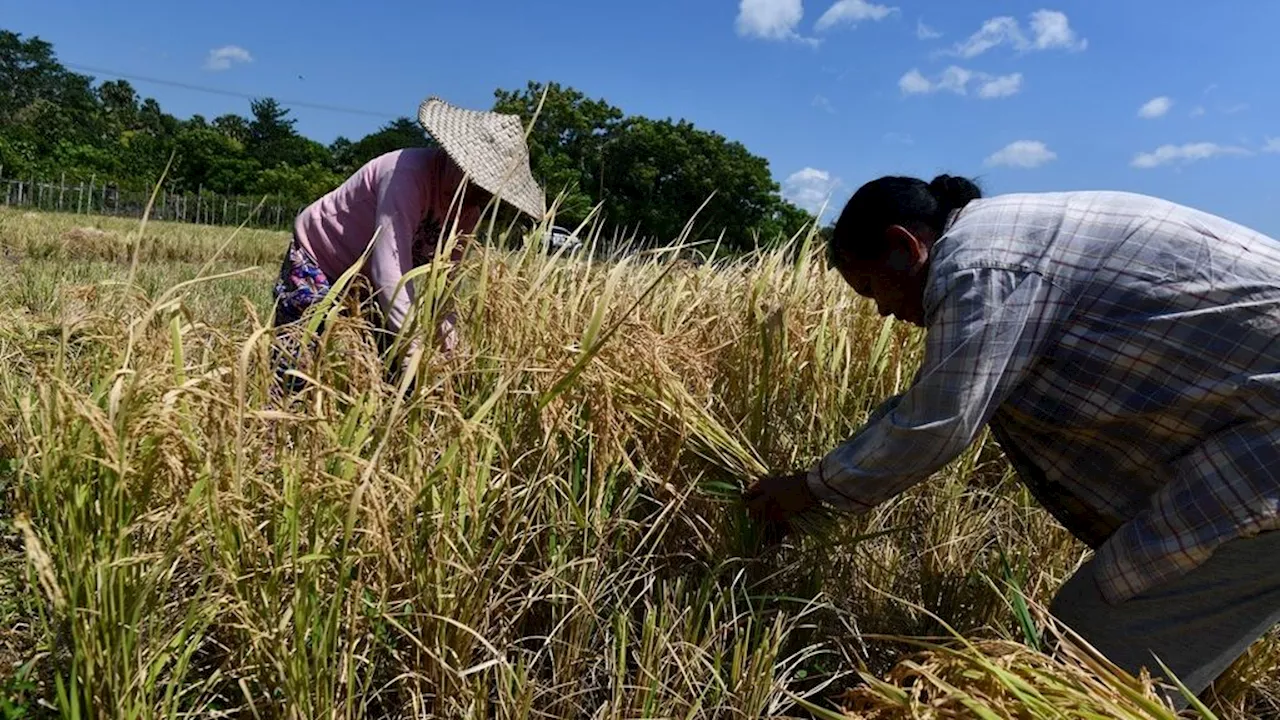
pixel 558 238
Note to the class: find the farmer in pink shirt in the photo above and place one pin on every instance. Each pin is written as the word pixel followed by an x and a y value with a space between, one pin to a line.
pixel 408 203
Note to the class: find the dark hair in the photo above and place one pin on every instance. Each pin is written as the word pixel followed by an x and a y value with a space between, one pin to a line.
pixel 895 200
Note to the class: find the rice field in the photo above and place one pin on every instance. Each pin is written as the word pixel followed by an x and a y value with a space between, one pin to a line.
pixel 543 525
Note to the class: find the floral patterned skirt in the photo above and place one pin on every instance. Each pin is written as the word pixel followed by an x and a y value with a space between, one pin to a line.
pixel 301 284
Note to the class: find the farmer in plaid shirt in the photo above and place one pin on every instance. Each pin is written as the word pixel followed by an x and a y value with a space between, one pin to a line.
pixel 1125 352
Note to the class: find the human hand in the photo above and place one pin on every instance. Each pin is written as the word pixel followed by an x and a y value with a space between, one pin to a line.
pixel 447 333
pixel 412 356
pixel 777 499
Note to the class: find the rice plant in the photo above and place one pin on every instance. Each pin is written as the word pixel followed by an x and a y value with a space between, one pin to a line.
pixel 545 524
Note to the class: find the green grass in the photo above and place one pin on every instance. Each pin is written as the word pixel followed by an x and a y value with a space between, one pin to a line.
pixel 544 527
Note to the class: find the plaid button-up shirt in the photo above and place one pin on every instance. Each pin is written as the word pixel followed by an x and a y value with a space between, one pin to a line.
pixel 1125 352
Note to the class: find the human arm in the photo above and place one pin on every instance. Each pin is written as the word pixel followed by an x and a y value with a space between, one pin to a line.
pixel 988 328
pixel 468 218
pixel 400 207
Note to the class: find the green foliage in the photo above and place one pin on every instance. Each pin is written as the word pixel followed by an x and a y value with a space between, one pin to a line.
pixel 310 180
pixel 210 159
pixel 567 143
pixel 399 133
pixel 646 176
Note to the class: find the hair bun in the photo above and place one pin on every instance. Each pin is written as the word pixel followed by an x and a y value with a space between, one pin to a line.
pixel 953 193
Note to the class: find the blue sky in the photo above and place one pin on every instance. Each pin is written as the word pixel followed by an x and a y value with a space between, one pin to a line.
pixel 1158 96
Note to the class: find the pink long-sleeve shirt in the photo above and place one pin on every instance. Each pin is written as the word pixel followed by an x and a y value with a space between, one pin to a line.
pixel 404 196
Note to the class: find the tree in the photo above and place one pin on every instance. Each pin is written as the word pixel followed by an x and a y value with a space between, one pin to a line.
pixel 233 126
pixel 155 121
pixel 342 152
pixel 46 102
pixel 661 172
pixel 271 133
pixel 208 159
pixel 567 142
pixel 787 220
pixel 646 176
pixel 650 176
pixel 119 105
pixel 30 72
pixel 302 184
pixel 395 135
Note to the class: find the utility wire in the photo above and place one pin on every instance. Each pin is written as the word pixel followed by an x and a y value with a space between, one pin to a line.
pixel 229 93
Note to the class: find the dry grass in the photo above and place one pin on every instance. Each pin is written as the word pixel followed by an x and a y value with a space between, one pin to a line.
pixel 543 527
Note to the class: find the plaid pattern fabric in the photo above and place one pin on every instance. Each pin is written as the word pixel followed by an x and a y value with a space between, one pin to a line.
pixel 1125 352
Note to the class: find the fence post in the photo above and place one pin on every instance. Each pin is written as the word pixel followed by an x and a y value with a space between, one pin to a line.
pixel 89 198
pixel 62 190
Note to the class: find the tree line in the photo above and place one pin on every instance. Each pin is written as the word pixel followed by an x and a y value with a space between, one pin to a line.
pixel 648 177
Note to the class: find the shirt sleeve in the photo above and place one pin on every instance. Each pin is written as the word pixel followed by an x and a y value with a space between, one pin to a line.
pixel 987 328
pixel 400 209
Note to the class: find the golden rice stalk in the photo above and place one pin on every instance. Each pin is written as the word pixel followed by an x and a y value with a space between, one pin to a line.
pixel 41 562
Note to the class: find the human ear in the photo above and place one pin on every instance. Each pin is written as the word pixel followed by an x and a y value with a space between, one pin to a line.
pixel 907 252
pixel 902 249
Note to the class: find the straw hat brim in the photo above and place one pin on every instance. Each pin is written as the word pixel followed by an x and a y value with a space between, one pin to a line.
pixel 490 148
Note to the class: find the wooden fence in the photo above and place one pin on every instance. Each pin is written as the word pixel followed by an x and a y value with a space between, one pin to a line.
pixel 95 197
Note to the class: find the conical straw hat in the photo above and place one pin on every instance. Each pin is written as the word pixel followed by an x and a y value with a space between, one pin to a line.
pixel 490 149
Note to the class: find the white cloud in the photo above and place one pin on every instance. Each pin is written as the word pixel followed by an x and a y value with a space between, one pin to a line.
pixel 1155 107
pixel 852 12
pixel 1272 146
pixel 913 83
pixel 956 80
pixel 1002 86
pixel 1182 154
pixel 1201 110
pixel 224 57
pixel 821 102
pixel 810 188
pixel 897 138
pixel 993 33
pixel 924 32
pixel 770 19
pixel 1054 32
pixel 1050 30
pixel 1022 154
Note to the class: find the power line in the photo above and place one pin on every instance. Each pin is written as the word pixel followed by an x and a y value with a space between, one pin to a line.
pixel 229 93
